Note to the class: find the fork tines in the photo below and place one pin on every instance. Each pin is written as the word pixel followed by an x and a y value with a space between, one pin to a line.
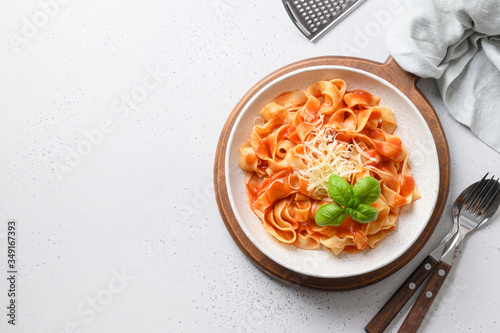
pixel 482 195
pixel 492 193
pixel 473 195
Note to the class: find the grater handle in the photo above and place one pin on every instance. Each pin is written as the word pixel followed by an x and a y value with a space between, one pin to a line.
pixel 405 81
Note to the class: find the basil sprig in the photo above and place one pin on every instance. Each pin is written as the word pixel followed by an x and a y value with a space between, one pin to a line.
pixel 354 201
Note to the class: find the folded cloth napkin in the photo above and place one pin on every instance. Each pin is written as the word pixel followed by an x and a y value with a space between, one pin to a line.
pixel 457 42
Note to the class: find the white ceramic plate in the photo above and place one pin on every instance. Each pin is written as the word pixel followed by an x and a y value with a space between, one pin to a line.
pixel 416 137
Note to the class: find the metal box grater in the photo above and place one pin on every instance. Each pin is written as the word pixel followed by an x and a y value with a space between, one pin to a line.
pixel 315 17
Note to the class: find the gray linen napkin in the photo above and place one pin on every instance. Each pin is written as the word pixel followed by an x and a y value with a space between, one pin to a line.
pixel 458 44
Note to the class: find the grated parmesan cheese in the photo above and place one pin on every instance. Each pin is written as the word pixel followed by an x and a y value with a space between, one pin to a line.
pixel 325 155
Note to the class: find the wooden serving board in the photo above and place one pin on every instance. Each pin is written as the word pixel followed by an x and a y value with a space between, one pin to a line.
pixel 406 83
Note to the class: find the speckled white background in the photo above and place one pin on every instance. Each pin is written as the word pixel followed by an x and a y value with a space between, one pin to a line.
pixel 141 200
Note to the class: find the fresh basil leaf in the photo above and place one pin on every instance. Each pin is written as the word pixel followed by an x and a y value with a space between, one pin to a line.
pixel 339 189
pixel 330 215
pixel 363 213
pixel 354 201
pixel 368 190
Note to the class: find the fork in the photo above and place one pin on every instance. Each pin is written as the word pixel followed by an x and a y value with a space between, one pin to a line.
pixel 477 209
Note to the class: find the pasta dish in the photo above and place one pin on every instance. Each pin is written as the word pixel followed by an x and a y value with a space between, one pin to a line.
pixel 303 137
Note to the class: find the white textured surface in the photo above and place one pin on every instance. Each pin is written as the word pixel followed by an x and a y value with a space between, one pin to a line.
pixel 413 132
pixel 142 199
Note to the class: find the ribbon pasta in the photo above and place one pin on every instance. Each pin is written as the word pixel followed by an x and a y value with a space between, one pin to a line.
pixel 306 135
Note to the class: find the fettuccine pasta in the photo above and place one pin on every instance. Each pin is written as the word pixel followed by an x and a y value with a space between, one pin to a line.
pixel 304 137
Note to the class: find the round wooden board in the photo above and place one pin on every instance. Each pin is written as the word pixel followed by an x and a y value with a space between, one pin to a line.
pixel 406 83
